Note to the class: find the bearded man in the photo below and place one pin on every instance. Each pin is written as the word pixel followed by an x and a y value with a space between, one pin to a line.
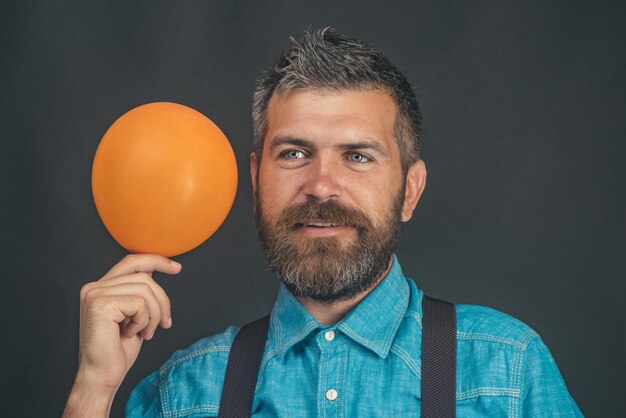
pixel 335 170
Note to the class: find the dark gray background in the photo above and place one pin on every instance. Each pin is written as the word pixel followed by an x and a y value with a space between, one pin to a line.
pixel 523 108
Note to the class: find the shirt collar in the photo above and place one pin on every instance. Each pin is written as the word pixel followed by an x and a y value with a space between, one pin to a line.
pixel 373 323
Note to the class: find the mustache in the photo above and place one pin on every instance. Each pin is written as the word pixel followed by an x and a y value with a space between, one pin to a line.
pixel 328 212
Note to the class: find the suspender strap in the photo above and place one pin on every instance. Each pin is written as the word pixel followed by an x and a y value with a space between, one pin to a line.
pixel 242 369
pixel 438 363
pixel 438 358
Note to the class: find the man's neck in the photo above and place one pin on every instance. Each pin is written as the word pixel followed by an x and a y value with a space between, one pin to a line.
pixel 331 313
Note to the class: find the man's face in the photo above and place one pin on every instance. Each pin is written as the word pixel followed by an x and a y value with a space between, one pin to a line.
pixel 329 191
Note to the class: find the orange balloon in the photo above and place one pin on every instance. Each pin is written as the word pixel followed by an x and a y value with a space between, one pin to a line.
pixel 164 178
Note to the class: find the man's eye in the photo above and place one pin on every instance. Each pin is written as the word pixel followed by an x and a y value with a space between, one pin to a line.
pixel 292 154
pixel 358 157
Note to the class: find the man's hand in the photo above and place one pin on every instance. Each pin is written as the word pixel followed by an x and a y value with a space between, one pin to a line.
pixel 117 313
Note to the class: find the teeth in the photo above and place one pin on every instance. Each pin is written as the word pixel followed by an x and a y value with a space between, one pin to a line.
pixel 319 224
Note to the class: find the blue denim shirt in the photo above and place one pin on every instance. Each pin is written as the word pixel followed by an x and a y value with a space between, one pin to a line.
pixel 367 365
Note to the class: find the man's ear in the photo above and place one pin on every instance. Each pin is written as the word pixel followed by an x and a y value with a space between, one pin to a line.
pixel 254 170
pixel 415 184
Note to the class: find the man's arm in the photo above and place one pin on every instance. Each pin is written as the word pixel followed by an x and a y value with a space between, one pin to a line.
pixel 543 391
pixel 88 402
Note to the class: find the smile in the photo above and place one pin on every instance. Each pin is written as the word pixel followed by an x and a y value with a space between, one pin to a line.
pixel 320 229
pixel 315 225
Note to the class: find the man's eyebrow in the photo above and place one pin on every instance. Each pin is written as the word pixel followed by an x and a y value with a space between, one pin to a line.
pixel 372 145
pixel 289 140
pixel 349 146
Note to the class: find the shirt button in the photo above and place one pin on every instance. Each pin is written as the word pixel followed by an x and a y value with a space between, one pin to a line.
pixel 331 394
pixel 329 335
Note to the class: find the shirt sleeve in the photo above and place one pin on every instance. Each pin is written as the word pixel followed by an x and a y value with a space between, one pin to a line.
pixel 144 400
pixel 543 390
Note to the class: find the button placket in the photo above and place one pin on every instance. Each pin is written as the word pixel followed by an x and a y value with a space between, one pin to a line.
pixel 332 372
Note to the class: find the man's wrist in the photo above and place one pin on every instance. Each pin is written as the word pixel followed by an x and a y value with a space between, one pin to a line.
pixel 89 400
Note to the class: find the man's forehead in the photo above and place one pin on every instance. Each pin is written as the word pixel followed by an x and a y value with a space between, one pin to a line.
pixel 337 116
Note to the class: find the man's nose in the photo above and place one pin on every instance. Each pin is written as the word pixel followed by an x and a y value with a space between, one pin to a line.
pixel 322 180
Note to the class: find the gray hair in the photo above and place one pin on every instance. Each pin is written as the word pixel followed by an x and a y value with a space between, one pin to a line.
pixel 326 59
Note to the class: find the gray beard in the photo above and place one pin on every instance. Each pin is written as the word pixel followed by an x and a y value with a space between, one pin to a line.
pixel 319 268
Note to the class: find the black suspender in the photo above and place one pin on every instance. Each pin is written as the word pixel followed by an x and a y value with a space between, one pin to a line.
pixel 438 358
pixel 242 369
pixel 438 363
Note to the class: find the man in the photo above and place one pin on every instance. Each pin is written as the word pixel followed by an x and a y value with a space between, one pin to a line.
pixel 335 170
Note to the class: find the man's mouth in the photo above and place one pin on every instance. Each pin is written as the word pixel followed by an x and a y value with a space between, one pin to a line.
pixel 316 225
pixel 320 229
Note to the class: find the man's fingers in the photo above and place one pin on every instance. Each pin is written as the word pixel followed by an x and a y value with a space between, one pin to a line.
pixel 135 312
pixel 134 263
pixel 164 301
pixel 134 300
pixel 137 324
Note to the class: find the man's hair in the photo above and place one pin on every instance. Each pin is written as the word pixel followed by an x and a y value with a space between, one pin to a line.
pixel 324 59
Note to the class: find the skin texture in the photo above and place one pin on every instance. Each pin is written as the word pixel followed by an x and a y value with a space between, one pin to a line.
pixel 314 149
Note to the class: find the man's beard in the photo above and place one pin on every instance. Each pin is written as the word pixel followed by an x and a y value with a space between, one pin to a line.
pixel 318 267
